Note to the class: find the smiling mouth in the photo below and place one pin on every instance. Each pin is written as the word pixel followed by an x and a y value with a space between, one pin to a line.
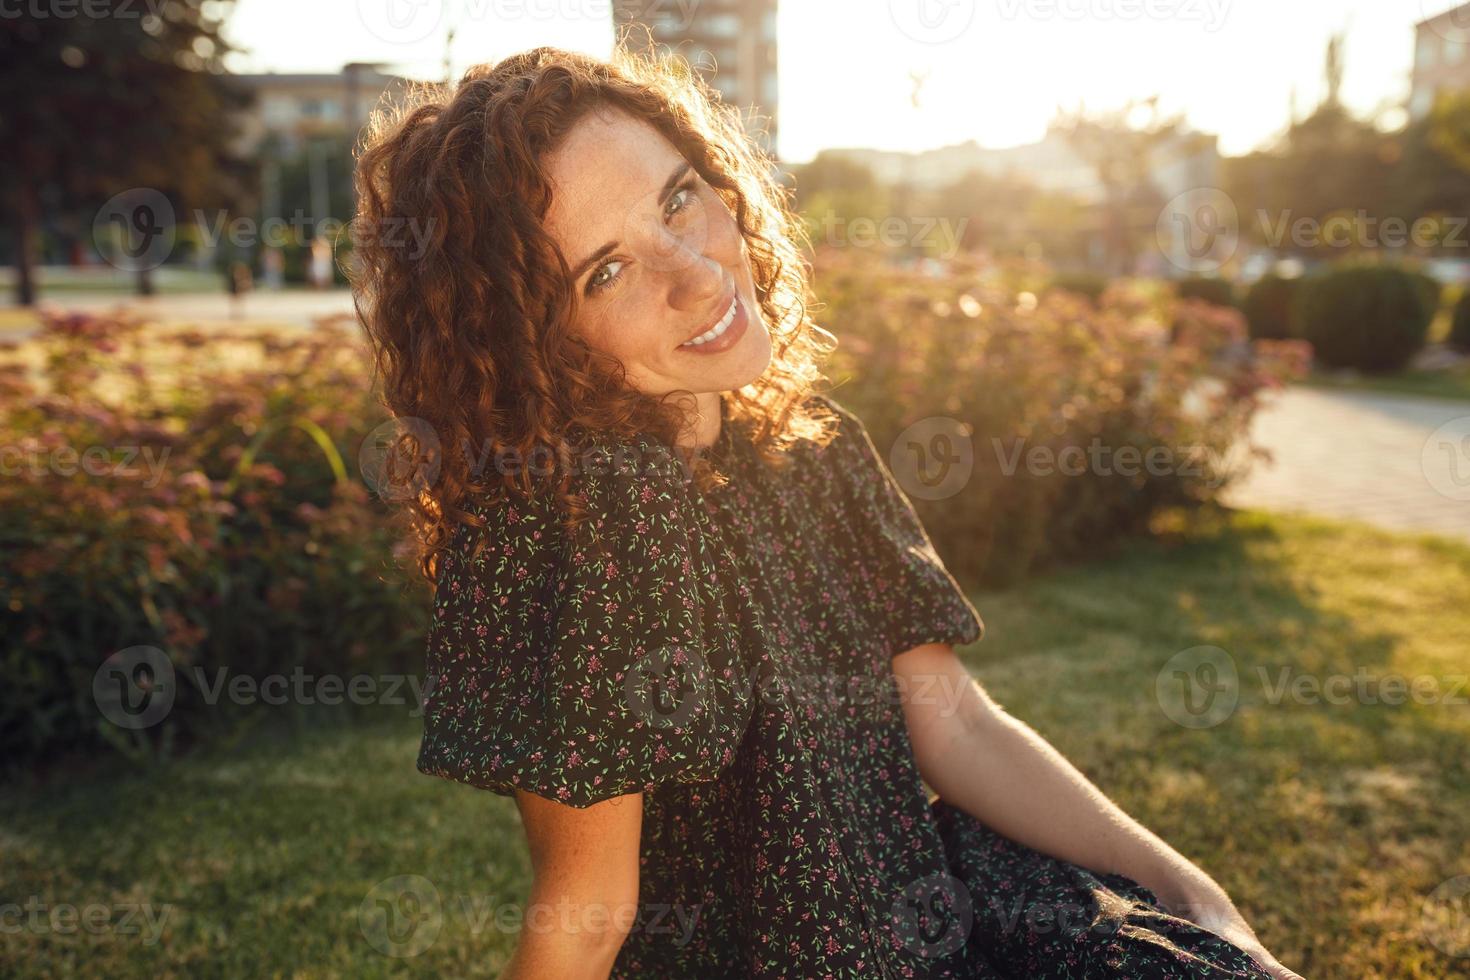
pixel 714 333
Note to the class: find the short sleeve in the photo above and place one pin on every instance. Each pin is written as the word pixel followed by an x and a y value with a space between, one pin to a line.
pixel 583 669
pixel 915 599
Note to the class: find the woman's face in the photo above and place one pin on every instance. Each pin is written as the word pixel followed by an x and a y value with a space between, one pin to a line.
pixel 657 260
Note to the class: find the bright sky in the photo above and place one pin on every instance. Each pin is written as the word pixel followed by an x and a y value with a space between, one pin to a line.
pixel 997 68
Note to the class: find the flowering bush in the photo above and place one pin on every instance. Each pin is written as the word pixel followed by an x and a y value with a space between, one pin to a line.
pixel 1077 423
pixel 186 492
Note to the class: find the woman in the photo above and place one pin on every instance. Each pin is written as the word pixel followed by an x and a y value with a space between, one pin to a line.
pixel 684 615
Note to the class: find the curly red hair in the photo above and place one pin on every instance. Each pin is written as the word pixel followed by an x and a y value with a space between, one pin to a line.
pixel 469 317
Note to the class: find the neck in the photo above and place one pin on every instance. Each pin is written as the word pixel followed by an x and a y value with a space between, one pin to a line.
pixel 702 428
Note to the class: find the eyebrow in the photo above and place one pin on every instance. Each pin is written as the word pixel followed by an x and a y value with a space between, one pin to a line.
pixel 601 253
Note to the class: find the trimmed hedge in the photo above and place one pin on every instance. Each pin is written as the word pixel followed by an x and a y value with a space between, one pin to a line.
pixel 1089 285
pixel 1460 325
pixel 1211 289
pixel 1372 318
pixel 1268 306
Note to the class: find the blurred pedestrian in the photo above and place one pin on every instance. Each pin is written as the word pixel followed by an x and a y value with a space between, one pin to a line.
pixel 238 282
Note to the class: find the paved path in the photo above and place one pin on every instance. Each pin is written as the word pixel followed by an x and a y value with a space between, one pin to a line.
pixel 1396 461
pixel 295 307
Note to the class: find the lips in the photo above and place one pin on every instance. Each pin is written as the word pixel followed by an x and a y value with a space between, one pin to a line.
pixel 728 329
pixel 726 311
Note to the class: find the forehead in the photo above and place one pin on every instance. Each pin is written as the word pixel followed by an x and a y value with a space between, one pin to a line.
pixel 610 166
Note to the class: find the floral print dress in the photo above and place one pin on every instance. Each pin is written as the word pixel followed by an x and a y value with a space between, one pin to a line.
pixel 728 653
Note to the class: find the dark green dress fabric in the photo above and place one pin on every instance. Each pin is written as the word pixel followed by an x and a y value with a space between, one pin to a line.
pixel 728 654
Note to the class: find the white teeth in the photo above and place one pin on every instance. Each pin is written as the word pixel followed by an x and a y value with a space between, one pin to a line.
pixel 717 329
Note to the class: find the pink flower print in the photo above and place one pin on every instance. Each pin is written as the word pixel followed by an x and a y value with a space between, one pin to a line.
pixel 574 759
pixel 481 630
pixel 563 793
pixel 479 593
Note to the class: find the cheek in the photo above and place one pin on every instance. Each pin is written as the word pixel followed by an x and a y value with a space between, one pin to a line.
pixel 725 233
pixel 623 326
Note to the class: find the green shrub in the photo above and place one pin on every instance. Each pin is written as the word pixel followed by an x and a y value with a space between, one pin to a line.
pixel 1460 325
pixel 1211 289
pixel 1373 318
pixel 1090 285
pixel 1268 305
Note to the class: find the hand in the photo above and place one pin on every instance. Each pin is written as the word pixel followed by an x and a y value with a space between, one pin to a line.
pixel 1228 924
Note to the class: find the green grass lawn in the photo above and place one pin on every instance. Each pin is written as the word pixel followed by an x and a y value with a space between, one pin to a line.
pixel 1329 823
pixel 1429 384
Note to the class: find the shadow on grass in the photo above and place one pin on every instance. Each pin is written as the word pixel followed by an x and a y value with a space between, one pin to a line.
pixel 1326 809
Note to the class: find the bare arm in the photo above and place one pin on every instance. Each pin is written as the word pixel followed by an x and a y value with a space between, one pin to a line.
pixel 584 895
pixel 999 770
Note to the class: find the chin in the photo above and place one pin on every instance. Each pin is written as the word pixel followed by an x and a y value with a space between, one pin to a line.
pixel 755 357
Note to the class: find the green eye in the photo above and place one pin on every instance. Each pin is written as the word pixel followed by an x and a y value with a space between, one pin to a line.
pixel 686 189
pixel 596 282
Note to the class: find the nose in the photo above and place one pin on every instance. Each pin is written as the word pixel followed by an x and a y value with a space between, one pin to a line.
pixel 696 281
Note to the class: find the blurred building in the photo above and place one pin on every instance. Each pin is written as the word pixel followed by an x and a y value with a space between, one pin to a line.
pixel 1188 160
pixel 1441 58
pixel 732 43
pixel 296 107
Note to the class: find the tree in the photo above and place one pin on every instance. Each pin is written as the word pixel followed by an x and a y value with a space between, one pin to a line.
pixel 1122 147
pixel 1330 163
pixel 831 191
pixel 117 96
